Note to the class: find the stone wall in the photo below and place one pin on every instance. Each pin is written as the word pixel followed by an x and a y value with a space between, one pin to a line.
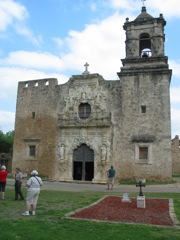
pixel 176 155
pixel 47 117
pixel 128 125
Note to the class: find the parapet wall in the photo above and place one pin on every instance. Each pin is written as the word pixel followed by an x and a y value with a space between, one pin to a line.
pixel 40 83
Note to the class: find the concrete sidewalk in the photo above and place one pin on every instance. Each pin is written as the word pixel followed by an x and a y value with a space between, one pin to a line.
pixel 79 187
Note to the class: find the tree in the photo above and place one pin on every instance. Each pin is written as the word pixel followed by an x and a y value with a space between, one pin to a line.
pixel 6 142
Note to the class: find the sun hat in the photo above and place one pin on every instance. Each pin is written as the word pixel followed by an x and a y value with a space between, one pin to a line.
pixel 34 172
pixel 3 167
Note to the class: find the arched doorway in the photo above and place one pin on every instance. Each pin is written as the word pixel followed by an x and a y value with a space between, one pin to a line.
pixel 83 163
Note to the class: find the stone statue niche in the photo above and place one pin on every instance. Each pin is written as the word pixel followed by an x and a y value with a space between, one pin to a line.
pixel 103 152
pixel 62 151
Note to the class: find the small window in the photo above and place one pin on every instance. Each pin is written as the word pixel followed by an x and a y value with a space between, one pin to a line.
pixel 26 85
pixel 47 83
pixel 32 151
pixel 143 109
pixel 84 110
pixel 143 152
pixel 33 114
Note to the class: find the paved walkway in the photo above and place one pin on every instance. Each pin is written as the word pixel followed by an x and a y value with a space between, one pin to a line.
pixel 77 187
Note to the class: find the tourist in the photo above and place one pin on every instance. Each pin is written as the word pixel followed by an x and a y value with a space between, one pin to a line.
pixel 3 176
pixel 111 176
pixel 34 184
pixel 18 183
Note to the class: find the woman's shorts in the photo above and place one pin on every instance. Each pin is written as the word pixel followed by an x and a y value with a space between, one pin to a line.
pixel 32 196
pixel 2 186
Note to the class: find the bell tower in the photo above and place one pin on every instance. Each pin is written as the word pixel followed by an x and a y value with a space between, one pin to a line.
pixel 145 79
pixel 144 42
pixel 145 36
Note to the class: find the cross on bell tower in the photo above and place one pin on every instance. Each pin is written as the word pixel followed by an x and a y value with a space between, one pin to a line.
pixel 143 2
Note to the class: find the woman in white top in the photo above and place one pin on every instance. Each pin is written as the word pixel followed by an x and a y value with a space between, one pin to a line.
pixel 34 184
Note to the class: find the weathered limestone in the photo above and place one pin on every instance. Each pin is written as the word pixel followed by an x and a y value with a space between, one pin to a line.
pixel 176 155
pixel 74 131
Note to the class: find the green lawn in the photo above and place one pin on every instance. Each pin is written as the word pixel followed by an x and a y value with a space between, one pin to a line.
pixel 49 222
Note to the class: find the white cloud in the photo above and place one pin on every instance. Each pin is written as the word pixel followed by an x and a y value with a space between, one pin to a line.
pixel 175 65
pixel 36 60
pixel 99 44
pixel 15 14
pixel 167 7
pixel 175 120
pixel 175 111
pixel 58 41
pixel 12 75
pixel 93 6
pixel 130 5
pixel 24 31
pixel 7 121
pixel 175 96
pixel 11 11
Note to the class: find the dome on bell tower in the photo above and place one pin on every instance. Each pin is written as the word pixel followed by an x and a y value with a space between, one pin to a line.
pixel 144 15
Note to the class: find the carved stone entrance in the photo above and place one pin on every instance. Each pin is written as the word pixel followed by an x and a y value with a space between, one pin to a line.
pixel 83 163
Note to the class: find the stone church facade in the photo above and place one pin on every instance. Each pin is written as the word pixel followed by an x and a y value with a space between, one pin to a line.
pixel 75 131
pixel 176 155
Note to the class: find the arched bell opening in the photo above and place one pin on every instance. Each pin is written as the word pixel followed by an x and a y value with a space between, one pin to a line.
pixel 145 45
pixel 83 163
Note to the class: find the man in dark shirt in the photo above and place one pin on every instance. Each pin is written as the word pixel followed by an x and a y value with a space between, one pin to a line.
pixel 111 175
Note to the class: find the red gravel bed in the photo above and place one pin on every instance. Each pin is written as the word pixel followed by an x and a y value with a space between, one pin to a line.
pixel 112 209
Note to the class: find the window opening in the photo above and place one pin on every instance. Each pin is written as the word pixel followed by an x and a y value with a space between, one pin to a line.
pixel 84 110
pixel 32 151
pixel 143 109
pixel 33 114
pixel 143 152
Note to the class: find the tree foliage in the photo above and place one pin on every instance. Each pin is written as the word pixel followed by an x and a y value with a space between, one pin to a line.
pixel 6 142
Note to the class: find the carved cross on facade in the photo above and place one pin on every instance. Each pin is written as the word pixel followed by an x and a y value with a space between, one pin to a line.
pixel 143 2
pixel 86 68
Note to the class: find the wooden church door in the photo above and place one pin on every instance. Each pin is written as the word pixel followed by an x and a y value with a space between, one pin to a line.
pixel 83 163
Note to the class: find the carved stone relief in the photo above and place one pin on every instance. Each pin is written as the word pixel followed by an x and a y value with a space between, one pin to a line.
pixel 82 94
pixel 72 139
pixel 131 48
pixel 157 45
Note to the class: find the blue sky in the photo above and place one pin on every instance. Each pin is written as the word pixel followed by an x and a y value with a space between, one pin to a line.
pixel 54 38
